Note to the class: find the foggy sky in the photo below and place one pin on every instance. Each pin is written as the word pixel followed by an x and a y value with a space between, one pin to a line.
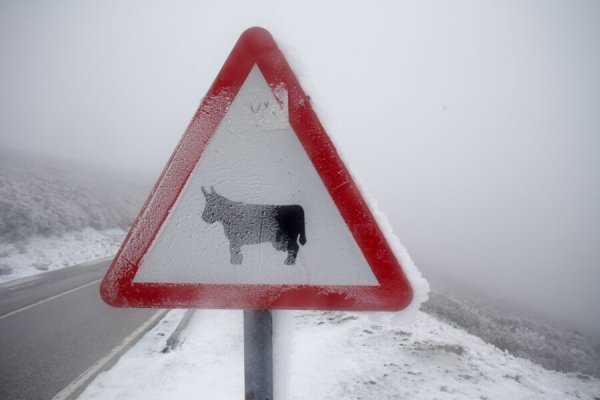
pixel 475 124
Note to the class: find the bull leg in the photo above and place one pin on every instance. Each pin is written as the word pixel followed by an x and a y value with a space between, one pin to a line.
pixel 292 250
pixel 236 253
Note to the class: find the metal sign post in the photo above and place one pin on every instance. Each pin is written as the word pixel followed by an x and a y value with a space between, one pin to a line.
pixel 258 354
pixel 257 162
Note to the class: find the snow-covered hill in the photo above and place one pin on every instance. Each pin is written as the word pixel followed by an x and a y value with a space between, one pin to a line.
pixel 333 355
pixel 40 195
pixel 56 213
pixel 554 346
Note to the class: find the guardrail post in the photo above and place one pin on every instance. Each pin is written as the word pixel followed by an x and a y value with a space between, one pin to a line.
pixel 174 341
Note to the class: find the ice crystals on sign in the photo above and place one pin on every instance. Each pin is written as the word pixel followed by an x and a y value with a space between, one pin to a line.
pixel 254 176
pixel 244 224
pixel 255 161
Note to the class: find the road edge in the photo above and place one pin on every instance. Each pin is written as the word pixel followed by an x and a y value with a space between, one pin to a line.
pixel 31 279
pixel 76 387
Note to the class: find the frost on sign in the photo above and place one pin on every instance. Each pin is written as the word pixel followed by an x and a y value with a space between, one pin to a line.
pixel 255 208
pixel 282 226
pixel 253 165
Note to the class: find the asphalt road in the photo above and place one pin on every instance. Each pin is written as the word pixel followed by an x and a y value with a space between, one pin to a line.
pixel 54 327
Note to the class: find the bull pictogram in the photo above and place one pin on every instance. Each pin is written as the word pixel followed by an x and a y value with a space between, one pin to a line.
pixel 282 225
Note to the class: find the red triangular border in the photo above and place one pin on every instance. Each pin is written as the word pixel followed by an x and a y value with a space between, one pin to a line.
pixel 256 46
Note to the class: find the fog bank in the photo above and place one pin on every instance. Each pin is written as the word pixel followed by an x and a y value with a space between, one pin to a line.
pixel 475 125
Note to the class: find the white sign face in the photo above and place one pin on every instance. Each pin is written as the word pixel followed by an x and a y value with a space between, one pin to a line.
pixel 254 210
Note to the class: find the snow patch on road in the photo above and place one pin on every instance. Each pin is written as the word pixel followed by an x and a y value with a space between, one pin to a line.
pixel 332 355
pixel 40 254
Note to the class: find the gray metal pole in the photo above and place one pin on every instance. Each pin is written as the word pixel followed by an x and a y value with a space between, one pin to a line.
pixel 258 355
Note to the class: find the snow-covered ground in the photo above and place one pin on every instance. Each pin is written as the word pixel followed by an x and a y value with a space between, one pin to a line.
pixel 325 355
pixel 332 355
pixel 40 254
pixel 53 215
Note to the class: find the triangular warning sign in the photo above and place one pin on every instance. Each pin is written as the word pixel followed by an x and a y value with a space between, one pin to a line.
pixel 255 208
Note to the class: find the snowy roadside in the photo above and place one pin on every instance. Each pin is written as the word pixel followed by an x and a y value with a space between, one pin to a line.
pixel 319 355
pixel 332 355
pixel 40 254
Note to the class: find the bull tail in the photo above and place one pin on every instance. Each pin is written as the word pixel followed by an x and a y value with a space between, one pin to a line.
pixel 302 239
pixel 302 235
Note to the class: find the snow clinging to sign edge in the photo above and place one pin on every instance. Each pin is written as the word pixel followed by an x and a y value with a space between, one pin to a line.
pixel 419 284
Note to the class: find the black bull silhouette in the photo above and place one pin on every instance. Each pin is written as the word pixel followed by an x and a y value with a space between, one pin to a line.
pixel 244 223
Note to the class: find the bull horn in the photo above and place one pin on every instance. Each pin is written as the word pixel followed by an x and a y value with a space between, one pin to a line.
pixel 203 190
pixel 212 189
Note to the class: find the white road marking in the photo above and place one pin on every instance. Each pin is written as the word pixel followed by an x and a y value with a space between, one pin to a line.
pixel 56 296
pixel 98 365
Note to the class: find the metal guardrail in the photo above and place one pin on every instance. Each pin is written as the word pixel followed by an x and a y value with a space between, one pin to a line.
pixel 174 341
